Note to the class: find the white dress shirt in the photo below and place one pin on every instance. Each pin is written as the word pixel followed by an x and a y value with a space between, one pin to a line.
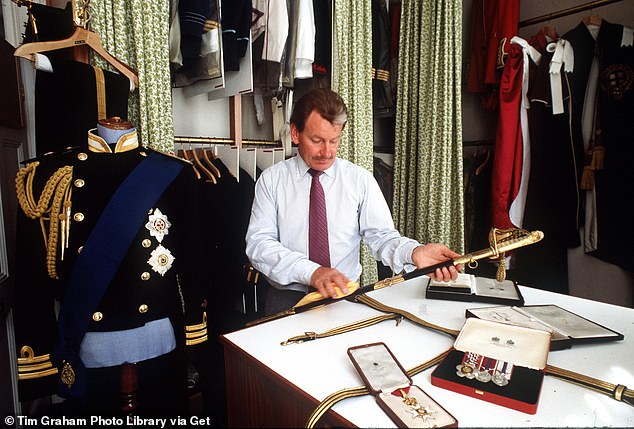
pixel 277 237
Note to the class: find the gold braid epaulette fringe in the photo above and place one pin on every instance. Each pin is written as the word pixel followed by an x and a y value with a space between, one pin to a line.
pixel 340 395
pixel 56 212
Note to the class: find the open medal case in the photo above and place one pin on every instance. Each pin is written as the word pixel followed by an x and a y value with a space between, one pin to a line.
pixel 498 363
pixel 567 328
pixel 406 404
pixel 467 287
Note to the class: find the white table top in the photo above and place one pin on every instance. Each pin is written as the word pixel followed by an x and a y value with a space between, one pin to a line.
pixel 322 367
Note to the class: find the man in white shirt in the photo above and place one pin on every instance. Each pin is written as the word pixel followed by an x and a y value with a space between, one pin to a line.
pixel 277 241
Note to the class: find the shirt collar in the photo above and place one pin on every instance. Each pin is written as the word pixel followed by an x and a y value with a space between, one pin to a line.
pixel 128 141
pixel 302 167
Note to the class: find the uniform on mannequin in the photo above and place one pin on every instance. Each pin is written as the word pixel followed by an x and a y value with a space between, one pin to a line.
pixel 115 275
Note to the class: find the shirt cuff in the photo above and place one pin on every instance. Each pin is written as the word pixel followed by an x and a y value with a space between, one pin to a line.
pixel 405 257
pixel 305 269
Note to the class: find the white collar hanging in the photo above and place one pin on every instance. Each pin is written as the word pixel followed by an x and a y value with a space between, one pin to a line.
pixel 563 55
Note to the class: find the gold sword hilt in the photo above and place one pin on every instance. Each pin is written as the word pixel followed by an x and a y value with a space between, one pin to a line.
pixel 500 242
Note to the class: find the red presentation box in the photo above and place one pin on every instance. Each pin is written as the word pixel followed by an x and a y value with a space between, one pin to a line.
pixel 406 404
pixel 498 363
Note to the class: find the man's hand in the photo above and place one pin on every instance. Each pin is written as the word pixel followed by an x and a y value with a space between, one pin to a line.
pixel 325 279
pixel 432 254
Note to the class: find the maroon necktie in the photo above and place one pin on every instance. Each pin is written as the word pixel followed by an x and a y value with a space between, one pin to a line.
pixel 318 249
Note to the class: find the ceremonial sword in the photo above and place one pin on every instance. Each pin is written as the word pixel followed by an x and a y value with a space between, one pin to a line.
pixel 500 242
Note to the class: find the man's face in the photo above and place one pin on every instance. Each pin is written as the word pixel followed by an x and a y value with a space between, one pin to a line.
pixel 318 143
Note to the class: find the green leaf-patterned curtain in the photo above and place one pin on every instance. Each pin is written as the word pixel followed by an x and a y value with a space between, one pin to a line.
pixel 352 79
pixel 428 189
pixel 136 32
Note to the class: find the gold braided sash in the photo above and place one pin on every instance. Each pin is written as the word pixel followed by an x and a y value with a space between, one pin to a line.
pixel 57 212
pixel 309 336
pixel 387 309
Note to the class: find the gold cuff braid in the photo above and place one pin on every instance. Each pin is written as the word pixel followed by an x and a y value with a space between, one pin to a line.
pixel 31 366
pixel 196 334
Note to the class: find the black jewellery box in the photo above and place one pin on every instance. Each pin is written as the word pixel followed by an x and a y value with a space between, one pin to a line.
pixel 467 287
pixel 406 404
pixel 566 327
pixel 498 363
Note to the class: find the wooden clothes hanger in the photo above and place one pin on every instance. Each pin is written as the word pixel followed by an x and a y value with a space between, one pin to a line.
pixel 550 31
pixel 187 156
pixel 209 162
pixel 81 36
pixel 208 173
pixel 592 19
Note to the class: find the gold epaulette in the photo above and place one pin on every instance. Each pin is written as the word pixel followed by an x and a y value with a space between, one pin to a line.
pixel 196 334
pixel 31 366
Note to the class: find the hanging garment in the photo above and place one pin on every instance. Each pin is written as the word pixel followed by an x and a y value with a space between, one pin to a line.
pixel 70 100
pixel 269 35
pixel 603 213
pixel 192 15
pixel 381 59
pixel 156 294
pixel 299 53
pixel 614 120
pixel 493 24
pixel 552 198
pixel 552 202
pixel 207 63
pixel 511 162
pixel 323 38
pixel 236 23
pixel 305 42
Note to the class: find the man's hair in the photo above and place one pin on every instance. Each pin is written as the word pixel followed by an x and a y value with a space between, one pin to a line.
pixel 324 101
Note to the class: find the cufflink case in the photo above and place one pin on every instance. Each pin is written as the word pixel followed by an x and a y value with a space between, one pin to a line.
pixel 405 403
pixel 470 288
pixel 566 327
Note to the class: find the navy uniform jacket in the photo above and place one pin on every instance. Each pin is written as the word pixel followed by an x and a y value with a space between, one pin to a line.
pixel 139 292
